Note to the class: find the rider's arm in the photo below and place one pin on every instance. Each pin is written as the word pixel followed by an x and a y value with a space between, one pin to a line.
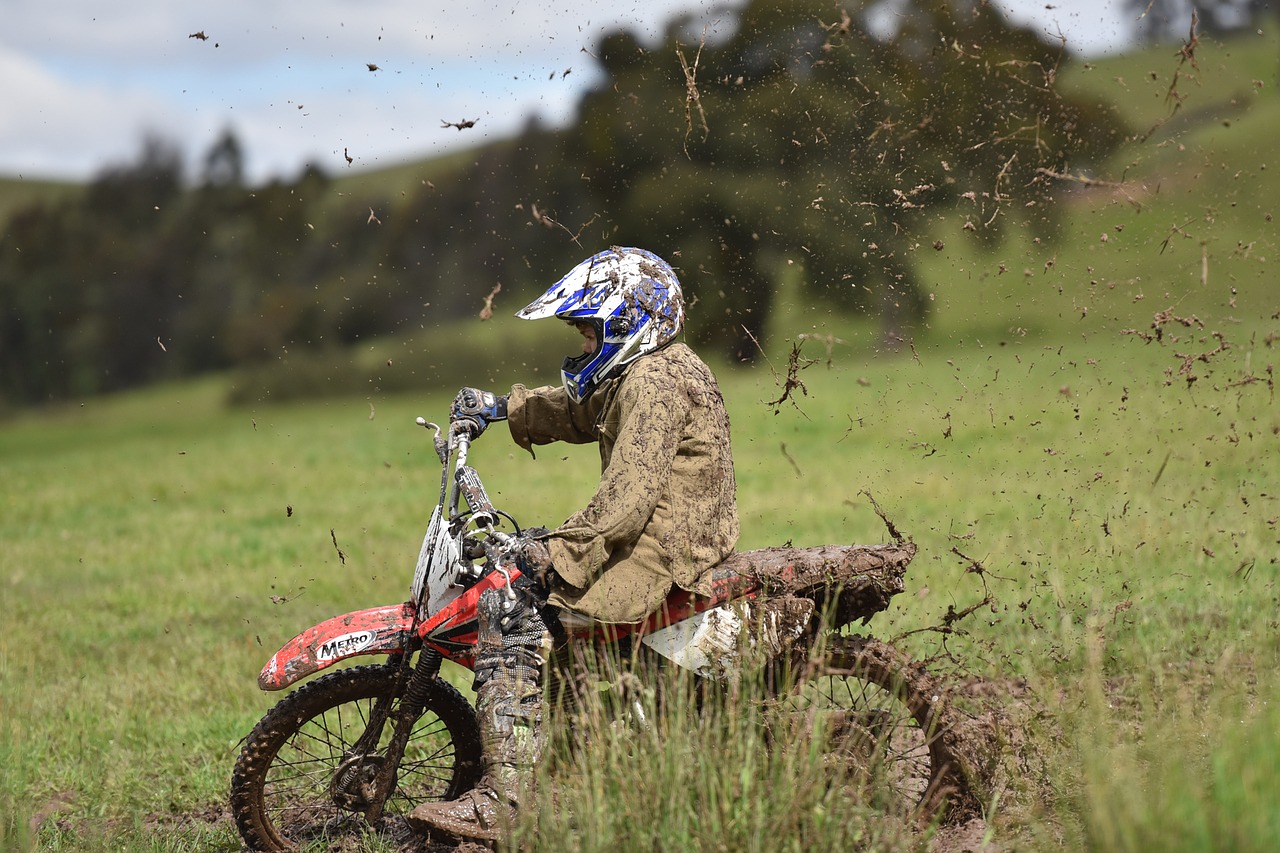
pixel 651 417
pixel 543 415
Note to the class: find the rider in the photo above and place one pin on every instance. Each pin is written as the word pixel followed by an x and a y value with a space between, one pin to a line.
pixel 663 515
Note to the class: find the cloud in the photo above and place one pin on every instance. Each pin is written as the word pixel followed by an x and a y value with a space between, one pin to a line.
pixel 155 33
pixel 85 81
pixel 50 127
pixel 323 126
pixel 1089 27
pixel 291 79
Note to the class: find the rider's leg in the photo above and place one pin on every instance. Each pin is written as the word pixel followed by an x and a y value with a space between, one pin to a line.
pixel 509 658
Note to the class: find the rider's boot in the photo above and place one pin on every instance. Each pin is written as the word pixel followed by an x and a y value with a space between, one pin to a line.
pixel 510 644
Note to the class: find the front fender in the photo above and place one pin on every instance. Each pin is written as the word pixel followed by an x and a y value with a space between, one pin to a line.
pixel 378 630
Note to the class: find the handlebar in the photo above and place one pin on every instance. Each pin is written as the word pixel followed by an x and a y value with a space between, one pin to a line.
pixel 455 540
pixel 465 479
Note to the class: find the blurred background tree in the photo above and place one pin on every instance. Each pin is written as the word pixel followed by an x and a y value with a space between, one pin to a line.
pixel 804 135
pixel 1165 20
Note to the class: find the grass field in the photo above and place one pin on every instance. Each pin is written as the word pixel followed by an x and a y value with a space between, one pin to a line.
pixel 1121 496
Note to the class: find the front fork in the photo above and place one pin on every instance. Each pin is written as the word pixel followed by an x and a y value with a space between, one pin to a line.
pixel 416 681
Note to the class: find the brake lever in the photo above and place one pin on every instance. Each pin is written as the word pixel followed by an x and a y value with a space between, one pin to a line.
pixel 441 443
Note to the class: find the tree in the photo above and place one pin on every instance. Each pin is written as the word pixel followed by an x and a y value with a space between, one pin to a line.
pixel 224 162
pixel 803 134
pixel 1161 20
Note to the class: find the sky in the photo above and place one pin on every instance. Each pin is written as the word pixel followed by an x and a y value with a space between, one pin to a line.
pixel 317 81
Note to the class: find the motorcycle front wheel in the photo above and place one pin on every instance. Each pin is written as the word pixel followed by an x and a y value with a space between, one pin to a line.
pixel 299 778
pixel 882 719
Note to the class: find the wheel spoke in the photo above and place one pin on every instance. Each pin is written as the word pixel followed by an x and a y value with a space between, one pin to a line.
pixel 285 791
pixel 874 723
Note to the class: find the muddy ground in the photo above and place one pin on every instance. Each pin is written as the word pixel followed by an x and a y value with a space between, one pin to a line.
pixel 969 836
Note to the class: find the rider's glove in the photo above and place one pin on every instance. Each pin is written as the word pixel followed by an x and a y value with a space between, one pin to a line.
pixel 534 560
pixel 476 409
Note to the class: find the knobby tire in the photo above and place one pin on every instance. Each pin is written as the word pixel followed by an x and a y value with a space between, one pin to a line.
pixel 884 717
pixel 281 794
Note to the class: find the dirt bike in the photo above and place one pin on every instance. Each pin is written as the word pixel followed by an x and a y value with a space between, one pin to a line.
pixel 359 745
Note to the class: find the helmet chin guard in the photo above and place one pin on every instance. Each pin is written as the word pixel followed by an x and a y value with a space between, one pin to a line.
pixel 633 299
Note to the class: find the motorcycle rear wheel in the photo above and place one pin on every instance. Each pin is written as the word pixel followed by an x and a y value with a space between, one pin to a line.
pixel 286 783
pixel 883 719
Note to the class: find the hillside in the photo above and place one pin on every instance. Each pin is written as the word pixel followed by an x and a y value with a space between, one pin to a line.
pixel 17 193
pixel 1165 208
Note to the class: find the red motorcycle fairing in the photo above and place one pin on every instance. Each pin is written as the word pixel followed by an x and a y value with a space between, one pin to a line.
pixel 378 630
pixel 452 629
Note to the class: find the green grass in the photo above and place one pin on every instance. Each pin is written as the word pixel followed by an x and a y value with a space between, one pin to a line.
pixel 1218 79
pixel 753 792
pixel 155 548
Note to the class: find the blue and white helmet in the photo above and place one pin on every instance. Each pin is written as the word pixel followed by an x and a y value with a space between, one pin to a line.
pixel 632 298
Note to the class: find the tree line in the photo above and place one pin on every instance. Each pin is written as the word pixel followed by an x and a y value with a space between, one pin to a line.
pixel 802 135
pixel 1160 20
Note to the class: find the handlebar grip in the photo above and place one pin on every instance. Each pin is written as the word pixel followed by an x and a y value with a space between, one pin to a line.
pixel 473 491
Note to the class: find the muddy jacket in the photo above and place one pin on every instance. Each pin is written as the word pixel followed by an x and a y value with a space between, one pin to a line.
pixel 665 511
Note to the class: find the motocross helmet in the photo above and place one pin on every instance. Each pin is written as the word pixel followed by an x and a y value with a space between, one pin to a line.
pixel 632 298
